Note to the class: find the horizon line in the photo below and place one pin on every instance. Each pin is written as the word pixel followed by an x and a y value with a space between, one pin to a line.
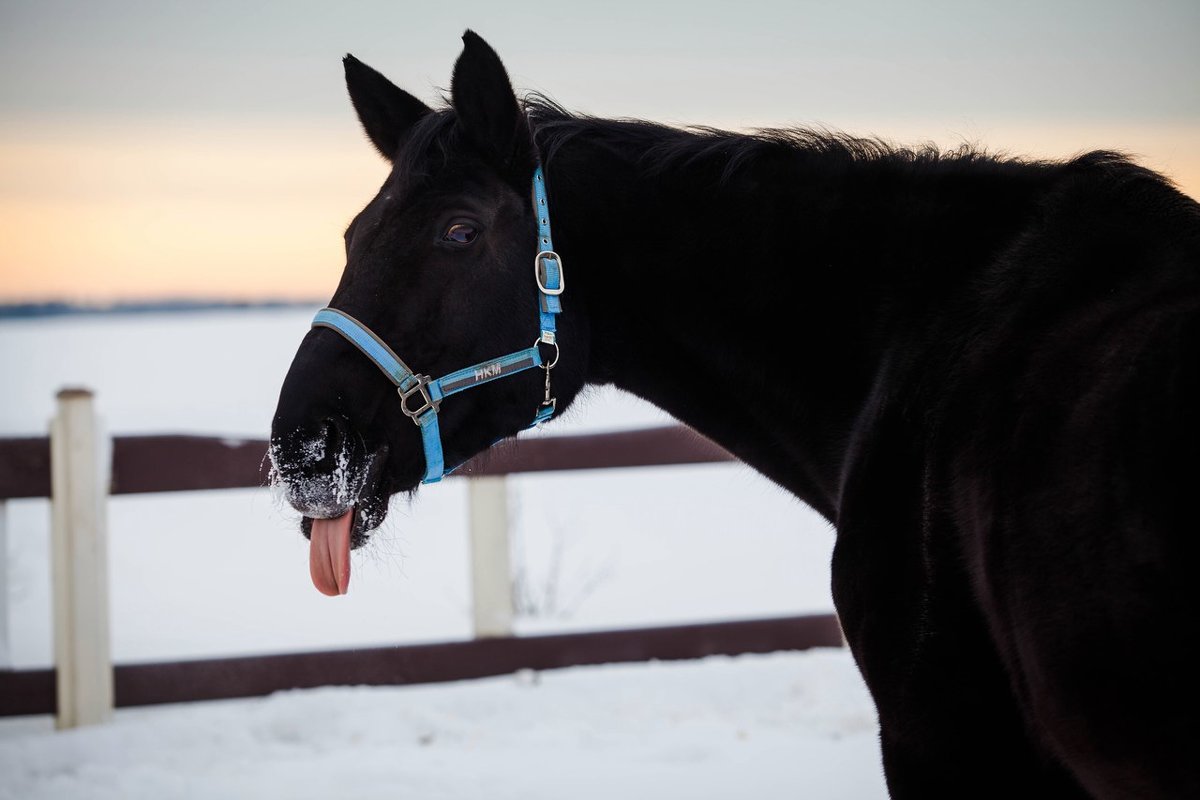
pixel 62 307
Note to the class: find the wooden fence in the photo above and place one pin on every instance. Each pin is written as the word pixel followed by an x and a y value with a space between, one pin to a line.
pixel 85 685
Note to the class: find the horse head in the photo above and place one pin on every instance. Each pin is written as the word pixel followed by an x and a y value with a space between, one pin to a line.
pixel 438 268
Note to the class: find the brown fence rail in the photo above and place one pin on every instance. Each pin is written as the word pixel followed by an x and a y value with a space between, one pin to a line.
pixel 173 463
pixel 33 691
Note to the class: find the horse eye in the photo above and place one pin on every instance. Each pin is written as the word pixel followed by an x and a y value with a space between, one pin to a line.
pixel 460 233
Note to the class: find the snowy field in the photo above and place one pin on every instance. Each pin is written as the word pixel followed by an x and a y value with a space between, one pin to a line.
pixel 788 725
pixel 595 549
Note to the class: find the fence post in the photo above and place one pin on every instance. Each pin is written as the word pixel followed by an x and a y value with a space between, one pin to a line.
pixel 79 468
pixel 491 577
pixel 6 660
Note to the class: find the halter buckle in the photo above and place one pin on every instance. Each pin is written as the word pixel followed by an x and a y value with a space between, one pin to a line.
pixel 427 401
pixel 548 255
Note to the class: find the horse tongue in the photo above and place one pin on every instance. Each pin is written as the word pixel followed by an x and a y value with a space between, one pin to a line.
pixel 329 554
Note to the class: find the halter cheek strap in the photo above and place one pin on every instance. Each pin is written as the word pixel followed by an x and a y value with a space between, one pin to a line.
pixel 422 396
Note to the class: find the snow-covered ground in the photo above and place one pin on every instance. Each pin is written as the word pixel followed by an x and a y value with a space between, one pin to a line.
pixel 781 726
pixel 594 550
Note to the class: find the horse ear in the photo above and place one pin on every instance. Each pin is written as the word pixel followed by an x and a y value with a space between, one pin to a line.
pixel 385 110
pixel 487 108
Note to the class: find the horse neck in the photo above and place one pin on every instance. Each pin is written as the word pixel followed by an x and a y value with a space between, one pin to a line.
pixel 758 302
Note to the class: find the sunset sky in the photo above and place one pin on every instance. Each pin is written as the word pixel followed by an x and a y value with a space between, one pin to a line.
pixel 152 149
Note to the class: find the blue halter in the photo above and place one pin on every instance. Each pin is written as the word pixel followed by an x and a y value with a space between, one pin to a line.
pixel 547 270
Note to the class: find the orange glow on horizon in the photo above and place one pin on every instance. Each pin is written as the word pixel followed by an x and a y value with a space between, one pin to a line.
pixel 149 212
pixel 249 216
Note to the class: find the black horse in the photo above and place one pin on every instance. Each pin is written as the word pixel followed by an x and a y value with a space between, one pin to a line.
pixel 984 371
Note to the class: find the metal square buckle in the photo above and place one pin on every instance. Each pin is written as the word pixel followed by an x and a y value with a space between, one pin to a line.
pixel 537 272
pixel 427 403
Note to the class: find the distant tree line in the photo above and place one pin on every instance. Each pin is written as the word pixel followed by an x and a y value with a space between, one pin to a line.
pixel 60 308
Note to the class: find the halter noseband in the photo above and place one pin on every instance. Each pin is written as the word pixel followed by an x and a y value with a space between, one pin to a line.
pixel 547 270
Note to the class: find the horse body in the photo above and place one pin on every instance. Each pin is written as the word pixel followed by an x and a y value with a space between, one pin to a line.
pixel 983 372
pixel 979 371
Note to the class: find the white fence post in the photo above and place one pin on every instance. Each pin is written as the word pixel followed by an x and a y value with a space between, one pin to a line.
pixel 491 576
pixel 79 466
pixel 6 660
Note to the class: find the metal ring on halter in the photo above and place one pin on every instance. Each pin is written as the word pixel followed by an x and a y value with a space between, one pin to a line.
pixel 540 340
pixel 537 272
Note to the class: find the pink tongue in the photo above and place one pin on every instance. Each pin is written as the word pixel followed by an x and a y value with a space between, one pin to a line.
pixel 329 554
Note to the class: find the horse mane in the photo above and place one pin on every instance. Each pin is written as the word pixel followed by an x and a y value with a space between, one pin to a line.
pixel 664 147
pixel 434 139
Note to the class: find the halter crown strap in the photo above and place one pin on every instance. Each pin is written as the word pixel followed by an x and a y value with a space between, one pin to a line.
pixel 420 395
pixel 547 264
